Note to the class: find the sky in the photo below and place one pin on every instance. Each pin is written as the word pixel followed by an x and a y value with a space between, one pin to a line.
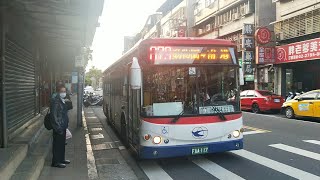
pixel 119 18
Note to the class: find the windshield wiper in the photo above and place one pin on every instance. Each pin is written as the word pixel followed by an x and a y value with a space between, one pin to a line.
pixel 220 113
pixel 175 119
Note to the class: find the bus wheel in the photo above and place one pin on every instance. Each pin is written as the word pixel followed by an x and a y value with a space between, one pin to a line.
pixel 108 118
pixel 124 132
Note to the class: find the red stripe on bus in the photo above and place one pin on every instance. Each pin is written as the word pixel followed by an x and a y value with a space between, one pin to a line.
pixel 193 120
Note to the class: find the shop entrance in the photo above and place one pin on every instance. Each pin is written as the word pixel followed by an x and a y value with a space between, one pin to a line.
pixel 302 76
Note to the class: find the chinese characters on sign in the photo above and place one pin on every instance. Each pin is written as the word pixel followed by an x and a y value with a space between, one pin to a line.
pixel 248 43
pixel 248 56
pixel 300 51
pixel 248 29
pixel 265 55
pixel 247 62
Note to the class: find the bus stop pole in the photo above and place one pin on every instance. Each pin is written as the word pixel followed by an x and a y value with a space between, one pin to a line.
pixel 80 94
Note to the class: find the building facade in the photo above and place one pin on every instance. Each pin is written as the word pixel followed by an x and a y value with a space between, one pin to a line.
pixel 297 30
pixel 239 21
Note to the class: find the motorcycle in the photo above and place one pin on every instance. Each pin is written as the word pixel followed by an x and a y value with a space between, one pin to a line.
pixel 292 95
pixel 92 100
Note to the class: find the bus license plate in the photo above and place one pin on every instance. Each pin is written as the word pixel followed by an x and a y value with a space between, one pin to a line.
pixel 200 150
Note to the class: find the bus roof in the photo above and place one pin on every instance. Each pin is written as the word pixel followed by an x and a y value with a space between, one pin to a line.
pixel 188 41
pixel 173 41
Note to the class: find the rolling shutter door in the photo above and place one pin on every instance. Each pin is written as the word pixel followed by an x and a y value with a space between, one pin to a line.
pixel 19 85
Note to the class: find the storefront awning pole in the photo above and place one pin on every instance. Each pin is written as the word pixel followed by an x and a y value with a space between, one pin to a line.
pixel 3 123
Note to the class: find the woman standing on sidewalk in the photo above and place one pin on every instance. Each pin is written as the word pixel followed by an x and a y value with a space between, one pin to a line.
pixel 59 120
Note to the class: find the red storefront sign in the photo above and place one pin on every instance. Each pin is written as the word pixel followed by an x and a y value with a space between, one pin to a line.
pixel 300 51
pixel 265 55
pixel 263 35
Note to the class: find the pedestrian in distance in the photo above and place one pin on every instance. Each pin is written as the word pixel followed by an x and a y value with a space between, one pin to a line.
pixel 59 121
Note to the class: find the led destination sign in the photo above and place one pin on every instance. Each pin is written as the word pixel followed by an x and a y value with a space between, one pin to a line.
pixel 189 55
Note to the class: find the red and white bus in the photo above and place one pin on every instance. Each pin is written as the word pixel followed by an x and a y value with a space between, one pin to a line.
pixel 176 97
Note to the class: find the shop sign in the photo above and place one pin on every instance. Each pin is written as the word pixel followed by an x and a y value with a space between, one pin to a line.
pixel 248 43
pixel 247 62
pixel 265 55
pixel 249 77
pixel 79 61
pixel 263 35
pixel 74 78
pixel 248 29
pixel 300 51
pixel 240 63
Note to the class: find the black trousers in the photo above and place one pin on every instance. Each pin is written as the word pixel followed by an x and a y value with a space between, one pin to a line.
pixel 58 147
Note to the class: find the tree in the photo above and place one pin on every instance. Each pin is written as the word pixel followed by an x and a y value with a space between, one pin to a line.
pixel 93 73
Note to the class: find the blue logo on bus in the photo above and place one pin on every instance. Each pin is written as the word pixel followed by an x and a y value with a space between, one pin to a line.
pixel 200 132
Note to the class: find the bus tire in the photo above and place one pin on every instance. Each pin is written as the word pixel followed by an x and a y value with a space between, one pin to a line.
pixel 107 115
pixel 124 131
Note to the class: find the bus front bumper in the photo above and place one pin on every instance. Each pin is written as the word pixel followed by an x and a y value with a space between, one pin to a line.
pixel 155 152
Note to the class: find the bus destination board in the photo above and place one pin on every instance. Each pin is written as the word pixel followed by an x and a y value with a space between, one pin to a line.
pixel 189 55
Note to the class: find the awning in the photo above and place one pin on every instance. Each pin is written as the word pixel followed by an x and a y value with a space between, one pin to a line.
pixel 62 23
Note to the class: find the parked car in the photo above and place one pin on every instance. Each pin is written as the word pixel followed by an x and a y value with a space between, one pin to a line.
pixel 260 100
pixel 306 105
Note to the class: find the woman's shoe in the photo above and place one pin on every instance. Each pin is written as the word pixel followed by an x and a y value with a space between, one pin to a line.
pixel 59 165
pixel 66 162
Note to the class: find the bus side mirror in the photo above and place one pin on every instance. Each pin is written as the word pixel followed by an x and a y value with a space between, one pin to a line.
pixel 135 74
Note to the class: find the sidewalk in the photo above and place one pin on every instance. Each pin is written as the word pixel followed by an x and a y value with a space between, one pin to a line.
pixel 75 152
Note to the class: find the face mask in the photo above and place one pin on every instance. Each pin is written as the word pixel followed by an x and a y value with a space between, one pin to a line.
pixel 63 95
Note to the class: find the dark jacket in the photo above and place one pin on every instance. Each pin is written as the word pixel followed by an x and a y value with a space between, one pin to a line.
pixel 59 115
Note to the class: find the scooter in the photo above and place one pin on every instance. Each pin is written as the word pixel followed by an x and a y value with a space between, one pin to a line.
pixel 292 95
pixel 91 100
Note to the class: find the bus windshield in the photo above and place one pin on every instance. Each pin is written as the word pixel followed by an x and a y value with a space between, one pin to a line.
pixel 176 90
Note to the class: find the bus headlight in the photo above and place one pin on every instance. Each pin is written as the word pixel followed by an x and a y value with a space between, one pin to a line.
pixel 157 140
pixel 236 133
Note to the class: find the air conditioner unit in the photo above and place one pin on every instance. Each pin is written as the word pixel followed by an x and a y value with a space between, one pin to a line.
pixel 208 27
pixel 199 13
pixel 279 36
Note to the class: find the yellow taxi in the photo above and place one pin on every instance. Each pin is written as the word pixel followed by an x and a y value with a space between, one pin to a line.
pixel 307 105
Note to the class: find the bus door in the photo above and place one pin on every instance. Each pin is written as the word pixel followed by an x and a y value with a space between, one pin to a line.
pixel 134 117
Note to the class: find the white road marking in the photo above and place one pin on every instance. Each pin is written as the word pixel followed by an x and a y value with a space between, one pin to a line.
pixel 312 141
pixel 298 151
pixel 215 170
pixel 280 167
pixel 279 117
pixel 253 132
pixel 154 171
pixel 91 162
